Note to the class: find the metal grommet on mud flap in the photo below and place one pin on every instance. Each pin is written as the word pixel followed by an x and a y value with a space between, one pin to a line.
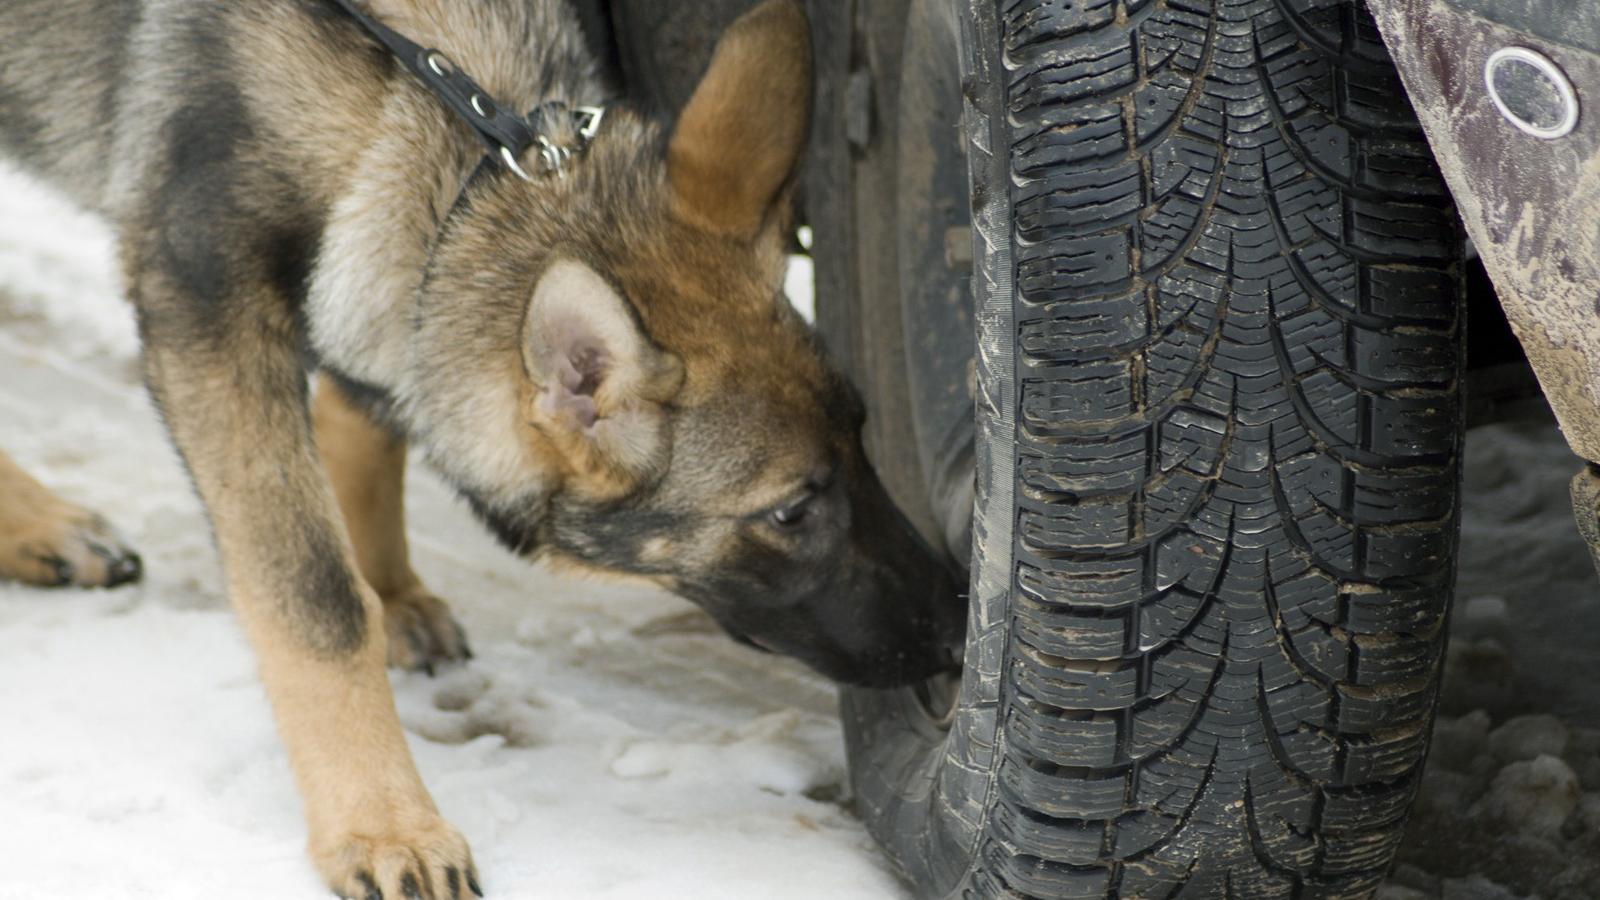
pixel 1531 92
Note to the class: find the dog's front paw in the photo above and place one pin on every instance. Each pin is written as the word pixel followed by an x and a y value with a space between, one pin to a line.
pixel 57 544
pixel 432 862
pixel 422 632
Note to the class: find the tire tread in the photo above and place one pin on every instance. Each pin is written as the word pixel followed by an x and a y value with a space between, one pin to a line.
pixel 1238 446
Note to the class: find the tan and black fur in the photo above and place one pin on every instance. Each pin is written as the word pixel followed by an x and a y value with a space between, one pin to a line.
pixel 602 363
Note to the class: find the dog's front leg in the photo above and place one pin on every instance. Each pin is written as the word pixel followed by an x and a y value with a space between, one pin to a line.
pixel 230 381
pixel 367 464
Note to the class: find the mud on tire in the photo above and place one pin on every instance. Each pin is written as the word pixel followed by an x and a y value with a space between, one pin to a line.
pixel 1218 442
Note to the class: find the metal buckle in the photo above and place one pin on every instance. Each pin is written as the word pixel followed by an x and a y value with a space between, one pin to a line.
pixel 589 118
pixel 554 157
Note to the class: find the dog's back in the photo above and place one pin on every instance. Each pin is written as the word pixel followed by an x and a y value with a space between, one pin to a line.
pixel 60 73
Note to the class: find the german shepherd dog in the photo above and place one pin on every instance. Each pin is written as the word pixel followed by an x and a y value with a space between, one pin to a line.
pixel 600 361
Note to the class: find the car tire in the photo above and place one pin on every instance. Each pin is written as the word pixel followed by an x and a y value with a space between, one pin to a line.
pixel 1213 365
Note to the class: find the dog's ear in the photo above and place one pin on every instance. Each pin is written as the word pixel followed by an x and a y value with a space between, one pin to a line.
pixel 599 379
pixel 737 141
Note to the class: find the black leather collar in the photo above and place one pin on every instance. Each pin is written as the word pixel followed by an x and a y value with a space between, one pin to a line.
pixel 505 134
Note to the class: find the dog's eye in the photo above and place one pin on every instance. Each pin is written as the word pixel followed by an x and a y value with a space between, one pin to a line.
pixel 791 514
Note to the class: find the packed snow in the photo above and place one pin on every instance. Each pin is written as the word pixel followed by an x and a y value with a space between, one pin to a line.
pixel 607 742
pixel 1510 802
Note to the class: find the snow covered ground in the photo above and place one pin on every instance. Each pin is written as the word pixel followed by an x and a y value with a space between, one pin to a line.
pixel 1510 803
pixel 606 743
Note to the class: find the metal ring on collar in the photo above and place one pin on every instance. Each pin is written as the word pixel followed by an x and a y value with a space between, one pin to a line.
pixel 511 163
pixel 555 157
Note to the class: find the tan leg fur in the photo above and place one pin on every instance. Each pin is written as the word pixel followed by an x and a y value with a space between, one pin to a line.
pixel 293 577
pixel 367 465
pixel 45 540
pixel 372 821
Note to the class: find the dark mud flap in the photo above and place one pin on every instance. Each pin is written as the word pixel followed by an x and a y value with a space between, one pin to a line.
pixel 1586 506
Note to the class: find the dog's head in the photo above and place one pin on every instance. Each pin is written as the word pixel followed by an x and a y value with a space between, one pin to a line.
pixel 621 383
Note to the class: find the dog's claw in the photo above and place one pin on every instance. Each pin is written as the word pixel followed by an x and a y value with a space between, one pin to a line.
pixel 61 569
pixel 402 863
pixel 122 565
pixel 472 882
pixel 125 570
pixel 67 546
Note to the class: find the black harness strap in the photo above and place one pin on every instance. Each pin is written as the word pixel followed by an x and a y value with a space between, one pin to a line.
pixel 505 134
